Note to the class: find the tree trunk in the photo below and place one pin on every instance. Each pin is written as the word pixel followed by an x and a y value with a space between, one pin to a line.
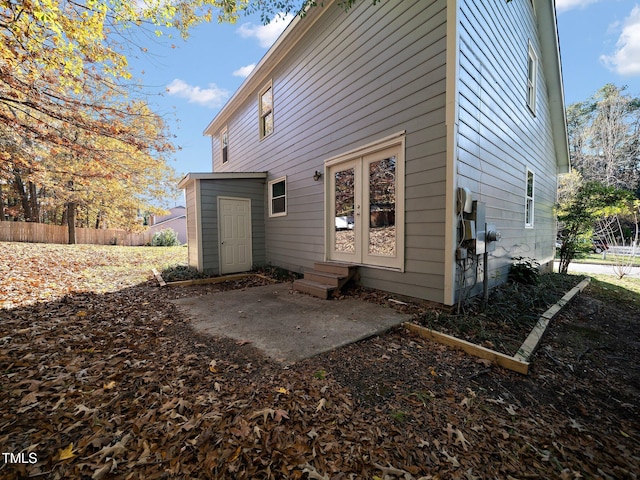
pixel 23 193
pixel 71 222
pixel 33 201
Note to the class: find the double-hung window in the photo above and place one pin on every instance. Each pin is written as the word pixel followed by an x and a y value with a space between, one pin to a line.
pixel 532 75
pixel 265 100
pixel 529 199
pixel 224 145
pixel 278 197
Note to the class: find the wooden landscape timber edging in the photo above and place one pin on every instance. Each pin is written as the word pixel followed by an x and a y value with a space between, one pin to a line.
pixel 159 278
pixel 204 281
pixel 531 343
pixel 501 359
pixel 520 361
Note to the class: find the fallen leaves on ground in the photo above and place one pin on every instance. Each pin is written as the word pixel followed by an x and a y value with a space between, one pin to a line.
pixel 117 385
pixel 42 272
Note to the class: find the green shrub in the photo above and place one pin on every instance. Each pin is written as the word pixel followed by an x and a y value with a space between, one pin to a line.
pixel 524 271
pixel 176 273
pixel 165 238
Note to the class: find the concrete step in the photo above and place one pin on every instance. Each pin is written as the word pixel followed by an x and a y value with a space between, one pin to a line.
pixel 316 289
pixel 327 278
pixel 344 269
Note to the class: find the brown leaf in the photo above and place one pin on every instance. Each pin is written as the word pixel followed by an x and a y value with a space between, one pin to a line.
pixel 280 414
pixel 30 398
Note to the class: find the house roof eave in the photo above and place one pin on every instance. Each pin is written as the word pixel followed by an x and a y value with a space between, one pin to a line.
pixel 551 60
pixel 192 177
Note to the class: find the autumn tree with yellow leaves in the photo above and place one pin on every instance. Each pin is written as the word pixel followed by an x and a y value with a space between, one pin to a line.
pixel 73 130
pixel 71 122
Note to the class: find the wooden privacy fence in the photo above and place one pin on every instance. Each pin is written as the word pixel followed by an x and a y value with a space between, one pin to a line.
pixel 44 233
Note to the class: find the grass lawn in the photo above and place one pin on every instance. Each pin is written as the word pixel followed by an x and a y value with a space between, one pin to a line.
pixel 623 290
pixel 42 272
pixel 609 259
pixel 141 260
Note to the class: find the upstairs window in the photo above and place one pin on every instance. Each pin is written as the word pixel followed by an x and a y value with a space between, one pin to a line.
pixel 532 75
pixel 266 111
pixel 224 145
pixel 529 199
pixel 278 197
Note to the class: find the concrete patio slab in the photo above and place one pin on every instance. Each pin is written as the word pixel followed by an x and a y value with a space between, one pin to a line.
pixel 288 326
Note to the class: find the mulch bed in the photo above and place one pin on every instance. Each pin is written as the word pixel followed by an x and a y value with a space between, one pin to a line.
pixel 117 385
pixel 501 325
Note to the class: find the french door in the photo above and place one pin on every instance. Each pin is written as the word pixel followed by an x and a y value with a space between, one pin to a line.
pixel 364 205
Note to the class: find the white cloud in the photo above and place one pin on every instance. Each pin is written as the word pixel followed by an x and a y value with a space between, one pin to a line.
pixel 244 71
pixel 212 96
pixel 266 34
pixel 626 59
pixel 564 5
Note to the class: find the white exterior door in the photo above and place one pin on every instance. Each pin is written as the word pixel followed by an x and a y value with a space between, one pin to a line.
pixel 365 204
pixel 234 230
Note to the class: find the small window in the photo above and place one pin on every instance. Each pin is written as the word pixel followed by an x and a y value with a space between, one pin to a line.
pixel 278 197
pixel 266 111
pixel 529 200
pixel 532 75
pixel 224 145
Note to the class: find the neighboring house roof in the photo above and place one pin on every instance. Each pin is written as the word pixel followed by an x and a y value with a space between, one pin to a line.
pixel 548 32
pixel 169 220
pixel 174 212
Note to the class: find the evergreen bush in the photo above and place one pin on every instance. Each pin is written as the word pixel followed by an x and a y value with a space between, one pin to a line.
pixel 165 238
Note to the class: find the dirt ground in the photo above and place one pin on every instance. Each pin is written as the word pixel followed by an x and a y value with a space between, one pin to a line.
pixel 117 385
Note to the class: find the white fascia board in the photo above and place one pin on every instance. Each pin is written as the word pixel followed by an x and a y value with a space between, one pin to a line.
pixel 552 65
pixel 452 113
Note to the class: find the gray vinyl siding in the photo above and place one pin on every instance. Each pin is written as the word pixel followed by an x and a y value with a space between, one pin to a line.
pixel 353 79
pixel 210 190
pixel 498 136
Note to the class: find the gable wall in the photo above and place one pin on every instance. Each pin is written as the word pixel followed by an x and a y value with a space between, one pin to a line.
pixel 355 78
pixel 498 136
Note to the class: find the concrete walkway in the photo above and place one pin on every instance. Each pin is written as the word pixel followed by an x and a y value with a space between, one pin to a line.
pixel 287 326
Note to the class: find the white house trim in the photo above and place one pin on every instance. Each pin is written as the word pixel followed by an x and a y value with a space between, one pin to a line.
pixel 452 149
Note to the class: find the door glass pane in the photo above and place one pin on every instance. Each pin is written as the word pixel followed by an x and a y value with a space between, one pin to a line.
pixel 344 207
pixel 382 207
